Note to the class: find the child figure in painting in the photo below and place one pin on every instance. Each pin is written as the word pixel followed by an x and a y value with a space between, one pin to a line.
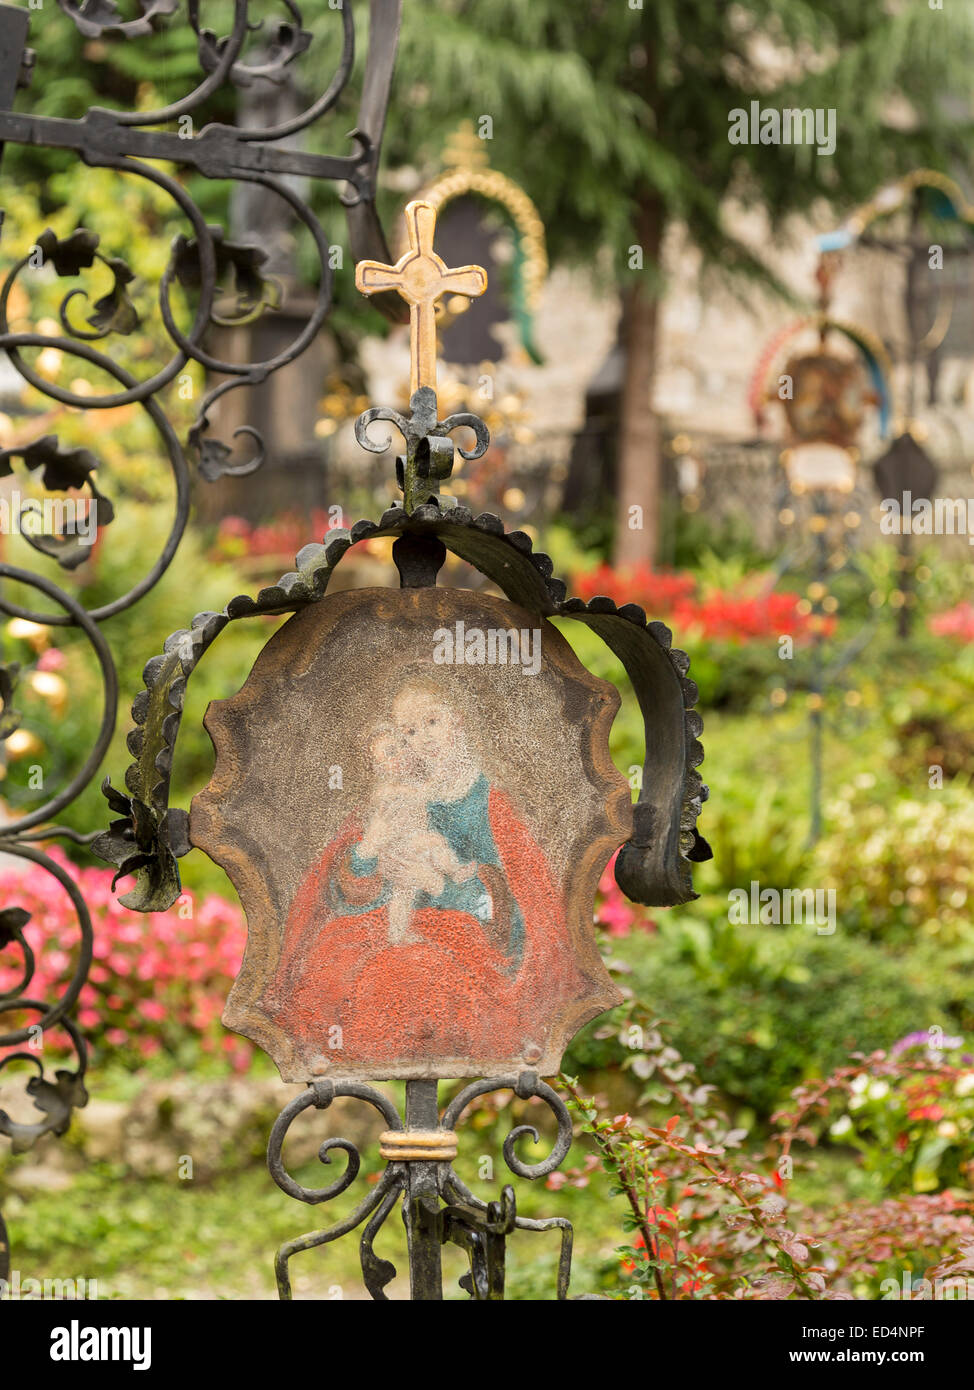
pixel 410 858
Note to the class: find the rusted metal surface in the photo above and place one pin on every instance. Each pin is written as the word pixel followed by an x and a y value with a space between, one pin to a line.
pixel 427 910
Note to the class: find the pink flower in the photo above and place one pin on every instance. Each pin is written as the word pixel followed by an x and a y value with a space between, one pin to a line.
pixel 165 976
pixel 614 911
pixel 955 622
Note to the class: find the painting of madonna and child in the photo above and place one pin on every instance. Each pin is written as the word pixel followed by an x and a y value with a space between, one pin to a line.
pixel 416 838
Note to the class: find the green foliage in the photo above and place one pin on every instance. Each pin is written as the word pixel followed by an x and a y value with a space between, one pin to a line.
pixel 693 535
pixel 763 843
pixel 732 674
pixel 637 100
pixel 759 1009
pixel 910 875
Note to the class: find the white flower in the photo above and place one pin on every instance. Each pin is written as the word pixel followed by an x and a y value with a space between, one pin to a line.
pixel 841 1126
pixel 878 1089
pixel 965 1084
pixel 860 1083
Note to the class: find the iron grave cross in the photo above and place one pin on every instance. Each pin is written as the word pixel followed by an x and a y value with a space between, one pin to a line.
pixel 421 277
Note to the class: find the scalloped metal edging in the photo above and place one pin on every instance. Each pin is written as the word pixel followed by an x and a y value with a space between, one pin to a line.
pixel 654 865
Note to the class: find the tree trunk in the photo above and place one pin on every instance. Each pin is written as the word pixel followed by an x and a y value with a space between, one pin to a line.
pixel 639 472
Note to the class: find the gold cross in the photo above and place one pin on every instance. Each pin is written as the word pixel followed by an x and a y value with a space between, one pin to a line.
pixel 421 277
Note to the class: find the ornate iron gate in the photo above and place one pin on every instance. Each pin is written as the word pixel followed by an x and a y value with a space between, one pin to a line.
pixel 123 141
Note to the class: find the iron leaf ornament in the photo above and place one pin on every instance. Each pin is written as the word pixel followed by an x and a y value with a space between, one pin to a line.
pixel 235 262
pixel 93 18
pixel 61 470
pixel 71 254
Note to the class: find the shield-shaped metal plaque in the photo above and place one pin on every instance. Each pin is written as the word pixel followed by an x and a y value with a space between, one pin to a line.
pixel 414 798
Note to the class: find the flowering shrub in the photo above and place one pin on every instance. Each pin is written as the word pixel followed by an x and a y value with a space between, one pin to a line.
pixel 730 617
pixel 701 1227
pixel 955 622
pixel 157 982
pixel 912 866
pixel 915 1130
pixel 707 1220
pixel 737 616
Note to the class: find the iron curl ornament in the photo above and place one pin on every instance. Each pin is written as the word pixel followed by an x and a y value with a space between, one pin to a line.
pixel 437 1205
pixel 129 142
pixel 294 701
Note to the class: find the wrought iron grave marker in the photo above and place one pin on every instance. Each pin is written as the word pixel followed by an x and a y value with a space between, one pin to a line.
pixel 499 877
pixel 415 798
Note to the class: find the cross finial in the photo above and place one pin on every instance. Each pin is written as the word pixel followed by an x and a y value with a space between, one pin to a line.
pixel 421 277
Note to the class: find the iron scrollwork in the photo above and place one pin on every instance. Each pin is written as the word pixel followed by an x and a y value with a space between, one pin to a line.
pixel 123 141
pixel 438 1211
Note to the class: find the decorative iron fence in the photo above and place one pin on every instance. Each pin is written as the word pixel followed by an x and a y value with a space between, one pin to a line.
pixel 130 143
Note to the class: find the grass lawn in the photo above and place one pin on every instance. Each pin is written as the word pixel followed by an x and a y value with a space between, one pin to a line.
pixel 163 1238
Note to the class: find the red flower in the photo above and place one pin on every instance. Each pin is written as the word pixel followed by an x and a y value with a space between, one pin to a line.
pixel 927 1112
pixel 736 617
pixel 655 590
pixel 956 622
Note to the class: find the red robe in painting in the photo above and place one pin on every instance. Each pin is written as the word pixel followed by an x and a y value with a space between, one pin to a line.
pixel 455 993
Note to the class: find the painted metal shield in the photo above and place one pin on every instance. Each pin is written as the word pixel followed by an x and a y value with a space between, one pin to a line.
pixel 414 798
